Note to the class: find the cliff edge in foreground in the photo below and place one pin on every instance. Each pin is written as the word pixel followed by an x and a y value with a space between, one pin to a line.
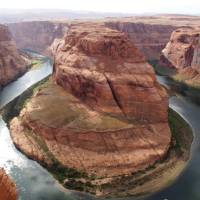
pixel 103 117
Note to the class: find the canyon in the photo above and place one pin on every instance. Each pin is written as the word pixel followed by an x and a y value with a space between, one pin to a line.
pixel 149 38
pixel 103 108
pixel 12 64
pixel 150 34
pixel 37 35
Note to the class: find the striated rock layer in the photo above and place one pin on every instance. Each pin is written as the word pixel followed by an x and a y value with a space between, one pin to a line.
pixel 107 114
pixel 149 33
pixel 182 53
pixel 37 35
pixel 7 187
pixel 149 38
pixel 11 63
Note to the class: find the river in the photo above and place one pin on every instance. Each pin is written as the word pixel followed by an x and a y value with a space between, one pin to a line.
pixel 36 183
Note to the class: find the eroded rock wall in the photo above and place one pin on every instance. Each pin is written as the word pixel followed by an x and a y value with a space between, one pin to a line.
pixel 183 53
pixel 149 38
pixel 12 64
pixel 37 35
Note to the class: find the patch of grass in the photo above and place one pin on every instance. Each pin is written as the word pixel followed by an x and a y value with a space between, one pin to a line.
pixel 37 63
pixel 61 172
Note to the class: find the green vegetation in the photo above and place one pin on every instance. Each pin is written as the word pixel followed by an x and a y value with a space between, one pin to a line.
pixel 70 177
pixel 181 132
pixel 37 63
pixel 78 180
pixel 13 108
pixel 178 82
pixel 177 155
pixel 162 71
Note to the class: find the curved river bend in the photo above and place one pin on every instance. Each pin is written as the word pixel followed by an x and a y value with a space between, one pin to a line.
pixel 35 183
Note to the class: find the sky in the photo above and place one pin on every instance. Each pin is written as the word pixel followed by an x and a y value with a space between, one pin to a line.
pixel 122 6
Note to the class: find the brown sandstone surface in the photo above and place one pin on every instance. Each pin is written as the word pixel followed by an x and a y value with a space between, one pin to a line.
pixel 11 63
pixel 183 53
pixel 107 114
pixel 7 187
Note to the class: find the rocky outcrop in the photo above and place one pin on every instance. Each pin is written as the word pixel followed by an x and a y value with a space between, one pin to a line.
pixel 37 35
pixel 7 187
pixel 11 63
pixel 182 53
pixel 149 38
pixel 105 71
pixel 106 117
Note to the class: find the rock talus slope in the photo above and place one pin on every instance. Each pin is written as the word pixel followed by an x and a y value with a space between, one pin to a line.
pixel 11 63
pixel 106 115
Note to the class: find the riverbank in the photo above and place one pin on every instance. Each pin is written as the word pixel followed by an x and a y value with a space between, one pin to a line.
pixel 32 62
pixel 141 183
pixel 178 82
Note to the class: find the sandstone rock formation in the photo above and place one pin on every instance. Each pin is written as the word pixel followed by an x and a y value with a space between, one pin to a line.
pixel 37 35
pixel 11 63
pixel 183 53
pixel 7 187
pixel 107 115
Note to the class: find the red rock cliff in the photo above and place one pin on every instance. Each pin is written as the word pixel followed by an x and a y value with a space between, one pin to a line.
pixel 149 38
pixel 39 35
pixel 11 63
pixel 182 53
pixel 106 71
